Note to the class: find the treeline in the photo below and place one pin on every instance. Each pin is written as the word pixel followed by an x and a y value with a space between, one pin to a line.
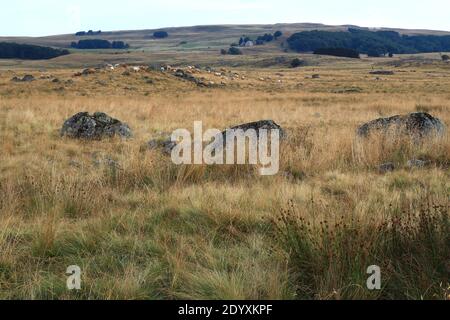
pixel 338 52
pixel 99 44
pixel 28 52
pixel 89 33
pixel 160 34
pixel 376 43
pixel 260 40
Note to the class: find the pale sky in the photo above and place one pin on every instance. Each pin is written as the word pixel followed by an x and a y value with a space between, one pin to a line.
pixel 51 17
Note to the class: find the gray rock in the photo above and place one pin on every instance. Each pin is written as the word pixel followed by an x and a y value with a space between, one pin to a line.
pixel 95 127
pixel 418 124
pixel 383 72
pixel 259 125
pixel 166 145
pixel 386 167
pixel 26 78
pixel 415 163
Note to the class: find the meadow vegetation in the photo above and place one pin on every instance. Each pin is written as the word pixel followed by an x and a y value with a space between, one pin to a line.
pixel 142 228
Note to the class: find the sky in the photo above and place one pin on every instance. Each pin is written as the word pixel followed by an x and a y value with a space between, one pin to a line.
pixel 51 17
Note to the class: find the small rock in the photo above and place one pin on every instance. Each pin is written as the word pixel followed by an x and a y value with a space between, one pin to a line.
pixel 415 163
pixel 386 167
pixel 383 72
pixel 26 78
pixel 166 145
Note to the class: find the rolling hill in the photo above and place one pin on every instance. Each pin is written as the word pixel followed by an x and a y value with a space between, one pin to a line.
pixel 193 45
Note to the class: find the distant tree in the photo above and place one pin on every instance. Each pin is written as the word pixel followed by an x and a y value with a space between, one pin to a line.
pixel 391 55
pixel 267 37
pixel 223 51
pixel 160 34
pixel 445 57
pixel 259 42
pixel 296 63
pixel 234 51
pixel 120 45
pixel 277 34
pixel 234 45
pixel 375 53
pixel 99 44
pixel 89 33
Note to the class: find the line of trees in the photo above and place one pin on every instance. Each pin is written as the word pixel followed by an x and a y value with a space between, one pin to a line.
pixel 160 34
pixel 89 33
pixel 99 44
pixel 338 52
pixel 28 52
pixel 260 40
pixel 378 43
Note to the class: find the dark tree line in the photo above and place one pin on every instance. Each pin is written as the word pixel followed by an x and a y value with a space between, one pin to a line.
pixel 160 34
pixel 260 40
pixel 89 33
pixel 338 52
pixel 99 44
pixel 28 52
pixel 378 43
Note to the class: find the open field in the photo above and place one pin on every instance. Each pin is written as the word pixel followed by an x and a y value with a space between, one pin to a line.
pixel 142 228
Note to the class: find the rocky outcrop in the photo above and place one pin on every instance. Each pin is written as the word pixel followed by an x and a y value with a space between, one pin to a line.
pixel 259 125
pixel 94 127
pixel 416 125
pixel 26 78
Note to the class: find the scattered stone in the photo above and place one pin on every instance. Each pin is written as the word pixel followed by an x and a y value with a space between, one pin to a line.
pixel 56 80
pixel 386 167
pixel 258 125
pixel 75 164
pixel 26 78
pixel 95 127
pixel 383 72
pixel 166 145
pixel 315 76
pixel 126 73
pixel 418 124
pixel 416 163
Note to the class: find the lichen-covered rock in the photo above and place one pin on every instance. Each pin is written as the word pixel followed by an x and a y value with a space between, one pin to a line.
pixel 418 124
pixel 386 167
pixel 258 125
pixel 95 127
pixel 416 163
pixel 166 145
pixel 26 78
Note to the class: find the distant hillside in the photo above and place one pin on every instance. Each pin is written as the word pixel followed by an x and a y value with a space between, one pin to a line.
pixel 372 43
pixel 198 38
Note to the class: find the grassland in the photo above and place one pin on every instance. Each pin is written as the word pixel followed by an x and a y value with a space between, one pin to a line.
pixel 142 228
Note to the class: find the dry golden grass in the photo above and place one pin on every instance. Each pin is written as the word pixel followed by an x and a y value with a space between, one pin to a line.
pixel 147 229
